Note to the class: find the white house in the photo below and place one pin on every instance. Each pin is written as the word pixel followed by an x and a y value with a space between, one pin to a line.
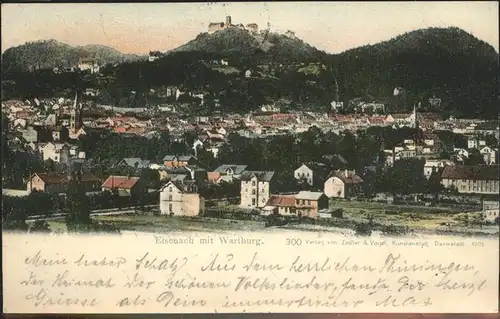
pixel 181 198
pixel 89 66
pixel 304 173
pixel 491 211
pixel 58 152
pixel 255 188
pixel 475 143
pixel 472 179
pixel 222 131
pixel 434 165
pixel 489 155
pixel 230 172
pixel 461 154
pixel 343 184
pixel 312 173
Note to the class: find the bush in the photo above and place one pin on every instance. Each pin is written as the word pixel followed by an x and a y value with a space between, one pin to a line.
pixel 104 227
pixel 393 230
pixel 363 229
pixel 39 226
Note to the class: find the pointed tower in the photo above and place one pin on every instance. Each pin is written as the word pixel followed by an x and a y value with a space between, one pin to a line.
pixel 415 120
pixel 417 130
pixel 76 117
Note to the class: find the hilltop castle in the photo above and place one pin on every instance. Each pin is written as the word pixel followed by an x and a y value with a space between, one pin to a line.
pixel 217 26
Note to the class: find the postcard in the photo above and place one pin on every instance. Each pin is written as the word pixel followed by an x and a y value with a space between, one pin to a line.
pixel 291 157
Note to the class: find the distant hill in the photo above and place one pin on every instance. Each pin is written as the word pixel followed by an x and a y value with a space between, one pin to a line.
pixel 52 53
pixel 269 46
pixel 446 62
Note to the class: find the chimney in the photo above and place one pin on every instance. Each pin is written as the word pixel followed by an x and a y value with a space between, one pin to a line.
pixel 346 173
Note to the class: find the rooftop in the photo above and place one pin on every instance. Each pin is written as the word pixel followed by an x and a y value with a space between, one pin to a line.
pixel 124 182
pixel 490 172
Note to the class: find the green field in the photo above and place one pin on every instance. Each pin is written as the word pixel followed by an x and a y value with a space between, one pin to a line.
pixel 415 217
pixel 159 224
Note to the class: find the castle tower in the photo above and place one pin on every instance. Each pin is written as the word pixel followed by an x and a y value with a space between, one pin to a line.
pixel 228 21
pixel 76 117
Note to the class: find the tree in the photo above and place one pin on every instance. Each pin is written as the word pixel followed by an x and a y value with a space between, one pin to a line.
pixel 406 177
pixel 475 158
pixel 150 177
pixel 40 226
pixel 13 214
pixel 434 185
pixel 78 211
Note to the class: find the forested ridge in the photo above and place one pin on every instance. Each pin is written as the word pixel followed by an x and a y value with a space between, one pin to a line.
pixel 447 63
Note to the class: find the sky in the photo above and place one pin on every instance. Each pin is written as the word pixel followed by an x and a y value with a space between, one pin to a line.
pixel 330 26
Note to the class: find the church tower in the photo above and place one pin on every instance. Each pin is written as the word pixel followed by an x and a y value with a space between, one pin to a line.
pixel 418 136
pixel 228 22
pixel 76 116
pixel 414 115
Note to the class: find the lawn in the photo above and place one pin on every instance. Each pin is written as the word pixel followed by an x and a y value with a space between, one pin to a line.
pixel 168 224
pixel 420 217
pixel 159 224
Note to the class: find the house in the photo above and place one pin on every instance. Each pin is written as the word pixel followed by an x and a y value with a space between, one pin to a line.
pixel 124 185
pixel 489 155
pixel 58 152
pixel 197 173
pixel 472 179
pixel 181 198
pixel 376 121
pixel 51 120
pixel 56 184
pixel 460 154
pixel 214 177
pixel 313 174
pixel 29 134
pixel 491 211
pixel 475 143
pixel 134 162
pixel 170 172
pixel 308 204
pixel 343 184
pixel 177 161
pixel 255 188
pixel 229 172
pixel 281 204
pixel 487 128
pixel 434 165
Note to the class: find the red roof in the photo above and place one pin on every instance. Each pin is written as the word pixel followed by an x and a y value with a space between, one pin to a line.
pixel 124 182
pixel 213 176
pixel 477 173
pixel 376 120
pixel 281 200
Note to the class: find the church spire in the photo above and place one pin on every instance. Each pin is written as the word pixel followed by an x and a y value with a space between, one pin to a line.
pixel 76 117
pixel 415 120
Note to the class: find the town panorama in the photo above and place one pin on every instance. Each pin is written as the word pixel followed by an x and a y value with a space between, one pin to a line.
pixel 247 128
